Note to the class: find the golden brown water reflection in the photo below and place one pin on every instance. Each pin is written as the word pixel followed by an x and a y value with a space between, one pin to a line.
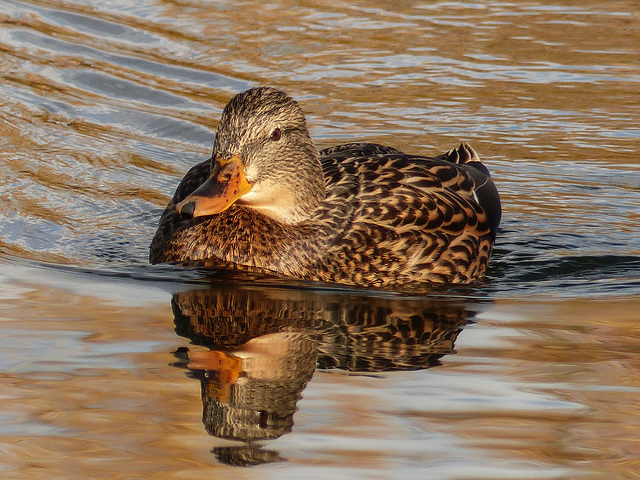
pixel 115 369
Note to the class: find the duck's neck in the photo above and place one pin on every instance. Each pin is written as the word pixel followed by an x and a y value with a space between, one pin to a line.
pixel 293 192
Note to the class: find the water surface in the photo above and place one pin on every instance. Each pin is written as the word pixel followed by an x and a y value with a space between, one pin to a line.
pixel 112 368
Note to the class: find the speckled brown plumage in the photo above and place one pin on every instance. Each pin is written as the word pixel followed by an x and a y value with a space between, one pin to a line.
pixel 387 220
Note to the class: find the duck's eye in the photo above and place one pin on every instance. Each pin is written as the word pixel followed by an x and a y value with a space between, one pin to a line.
pixel 276 134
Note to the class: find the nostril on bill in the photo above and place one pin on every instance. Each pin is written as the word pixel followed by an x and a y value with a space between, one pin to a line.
pixel 188 209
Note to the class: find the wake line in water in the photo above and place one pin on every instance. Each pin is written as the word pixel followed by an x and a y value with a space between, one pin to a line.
pixel 569 275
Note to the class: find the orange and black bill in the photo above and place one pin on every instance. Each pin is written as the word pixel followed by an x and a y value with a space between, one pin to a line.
pixel 226 184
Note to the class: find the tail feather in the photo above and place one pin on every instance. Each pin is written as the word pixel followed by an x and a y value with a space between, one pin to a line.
pixel 485 190
pixel 461 155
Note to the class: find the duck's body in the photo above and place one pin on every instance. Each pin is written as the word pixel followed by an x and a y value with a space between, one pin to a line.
pixel 375 217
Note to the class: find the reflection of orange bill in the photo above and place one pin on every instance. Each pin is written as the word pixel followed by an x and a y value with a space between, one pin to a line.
pixel 227 367
pixel 225 185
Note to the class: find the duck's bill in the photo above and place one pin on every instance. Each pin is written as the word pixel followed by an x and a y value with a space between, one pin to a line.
pixel 226 184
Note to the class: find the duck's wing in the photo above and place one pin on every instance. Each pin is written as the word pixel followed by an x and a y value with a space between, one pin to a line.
pixel 402 218
pixel 379 184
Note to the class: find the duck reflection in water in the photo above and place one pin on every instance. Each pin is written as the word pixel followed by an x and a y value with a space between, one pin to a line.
pixel 265 344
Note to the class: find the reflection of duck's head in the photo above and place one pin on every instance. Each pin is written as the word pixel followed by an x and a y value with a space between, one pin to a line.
pixel 356 214
pixel 260 358
pixel 250 393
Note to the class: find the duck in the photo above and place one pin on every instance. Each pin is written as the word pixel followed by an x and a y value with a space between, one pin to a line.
pixel 356 214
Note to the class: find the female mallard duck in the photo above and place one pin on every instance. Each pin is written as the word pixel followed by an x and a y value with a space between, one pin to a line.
pixel 356 214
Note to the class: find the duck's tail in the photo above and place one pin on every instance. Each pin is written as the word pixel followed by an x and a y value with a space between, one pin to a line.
pixel 461 155
pixel 485 190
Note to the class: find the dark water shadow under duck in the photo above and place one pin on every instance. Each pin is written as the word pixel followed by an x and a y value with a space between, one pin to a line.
pixel 264 345
pixel 358 214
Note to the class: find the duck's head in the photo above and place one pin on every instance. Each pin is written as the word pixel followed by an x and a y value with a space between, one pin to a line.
pixel 263 158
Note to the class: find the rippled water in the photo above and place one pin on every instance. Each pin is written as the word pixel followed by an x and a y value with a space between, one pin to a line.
pixel 112 368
